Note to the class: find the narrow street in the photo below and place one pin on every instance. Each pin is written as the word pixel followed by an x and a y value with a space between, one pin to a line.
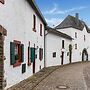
pixel 71 77
pixel 68 77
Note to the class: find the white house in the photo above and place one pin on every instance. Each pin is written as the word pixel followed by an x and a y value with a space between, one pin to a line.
pixel 57 47
pixel 22 41
pixel 80 33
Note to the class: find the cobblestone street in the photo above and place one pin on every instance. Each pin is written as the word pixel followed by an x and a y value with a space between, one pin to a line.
pixel 74 76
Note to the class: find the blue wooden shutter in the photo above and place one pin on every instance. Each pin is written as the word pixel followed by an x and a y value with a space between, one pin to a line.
pixel 22 52
pixel 32 54
pixel 12 53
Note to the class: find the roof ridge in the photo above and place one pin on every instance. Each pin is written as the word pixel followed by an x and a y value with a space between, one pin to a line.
pixel 64 35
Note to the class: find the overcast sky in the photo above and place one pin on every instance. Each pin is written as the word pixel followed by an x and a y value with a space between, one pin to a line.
pixel 55 11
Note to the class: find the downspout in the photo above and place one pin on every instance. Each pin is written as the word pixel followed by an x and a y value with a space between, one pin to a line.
pixel 45 45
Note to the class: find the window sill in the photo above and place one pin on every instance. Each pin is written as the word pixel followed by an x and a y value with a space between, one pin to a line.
pixel 41 35
pixel 29 64
pixel 40 59
pixel 34 29
pixel 17 64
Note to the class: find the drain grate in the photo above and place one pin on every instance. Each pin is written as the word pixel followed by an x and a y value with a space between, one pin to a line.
pixel 62 87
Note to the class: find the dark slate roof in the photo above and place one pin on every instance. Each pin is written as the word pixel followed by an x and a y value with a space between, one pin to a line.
pixel 54 31
pixel 37 10
pixel 71 21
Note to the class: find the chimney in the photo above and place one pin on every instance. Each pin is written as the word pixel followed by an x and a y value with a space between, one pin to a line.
pixel 77 18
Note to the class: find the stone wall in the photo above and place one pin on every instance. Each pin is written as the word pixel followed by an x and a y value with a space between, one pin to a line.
pixel 1 62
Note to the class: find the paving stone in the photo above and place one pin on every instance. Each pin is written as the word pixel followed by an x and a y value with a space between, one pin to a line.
pixel 75 76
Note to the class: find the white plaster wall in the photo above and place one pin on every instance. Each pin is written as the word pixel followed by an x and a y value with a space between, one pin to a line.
pixel 81 44
pixel 54 44
pixel 16 16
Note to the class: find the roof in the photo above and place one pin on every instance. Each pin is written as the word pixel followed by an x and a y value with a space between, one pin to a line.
pixel 37 10
pixel 71 21
pixel 54 31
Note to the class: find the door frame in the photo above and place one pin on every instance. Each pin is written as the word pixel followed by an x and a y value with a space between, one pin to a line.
pixel 84 52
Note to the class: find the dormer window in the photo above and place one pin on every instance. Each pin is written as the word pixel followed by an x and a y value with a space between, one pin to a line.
pixel 75 34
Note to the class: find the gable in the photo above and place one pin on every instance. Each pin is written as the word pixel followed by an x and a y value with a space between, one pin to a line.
pixel 72 22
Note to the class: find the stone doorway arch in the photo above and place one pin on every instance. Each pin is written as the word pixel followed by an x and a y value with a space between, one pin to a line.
pixel 84 55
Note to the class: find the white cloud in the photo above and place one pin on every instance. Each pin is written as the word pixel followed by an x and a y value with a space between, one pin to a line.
pixel 57 10
pixel 53 21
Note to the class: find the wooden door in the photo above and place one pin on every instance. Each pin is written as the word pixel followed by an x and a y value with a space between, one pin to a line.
pixel 62 58
pixel 34 61
pixel 34 66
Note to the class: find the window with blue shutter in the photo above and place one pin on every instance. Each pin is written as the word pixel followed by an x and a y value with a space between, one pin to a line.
pixel 32 54
pixel 16 53
pixel 12 53
pixel 22 52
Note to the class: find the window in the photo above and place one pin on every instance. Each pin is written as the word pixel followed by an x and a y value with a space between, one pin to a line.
pixel 40 67
pixel 23 68
pixel 29 62
pixel 67 53
pixel 16 53
pixel 75 46
pixel 84 38
pixel 40 54
pixel 75 34
pixel 54 54
pixel 32 54
pixel 34 23
pixel 62 43
pixel 40 29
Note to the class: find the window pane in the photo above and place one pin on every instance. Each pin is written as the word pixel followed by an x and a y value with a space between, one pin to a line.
pixel 54 54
